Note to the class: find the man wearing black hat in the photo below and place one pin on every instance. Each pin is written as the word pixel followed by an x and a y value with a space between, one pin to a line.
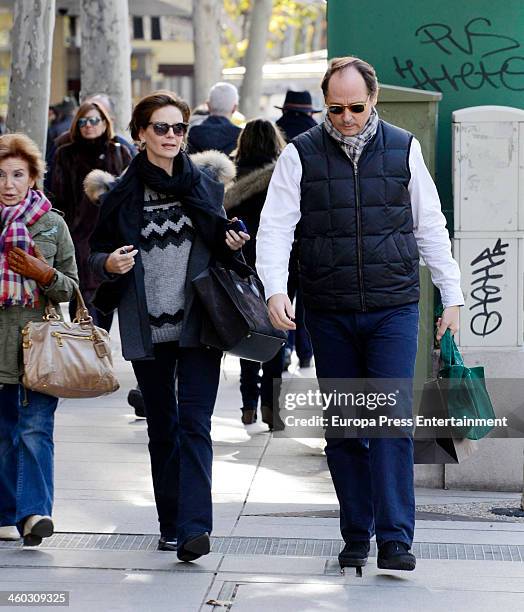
pixel 297 114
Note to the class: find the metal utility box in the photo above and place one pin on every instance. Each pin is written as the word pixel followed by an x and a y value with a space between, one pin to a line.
pixel 415 111
pixel 488 154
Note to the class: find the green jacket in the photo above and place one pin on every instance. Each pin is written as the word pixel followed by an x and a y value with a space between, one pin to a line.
pixel 51 234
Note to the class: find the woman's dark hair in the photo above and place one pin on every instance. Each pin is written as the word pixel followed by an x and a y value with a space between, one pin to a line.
pixel 367 72
pixel 149 104
pixel 83 109
pixel 259 138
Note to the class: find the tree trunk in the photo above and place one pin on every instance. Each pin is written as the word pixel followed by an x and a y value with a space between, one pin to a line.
pixel 32 43
pixel 206 43
pixel 255 57
pixel 316 43
pixel 288 43
pixel 105 54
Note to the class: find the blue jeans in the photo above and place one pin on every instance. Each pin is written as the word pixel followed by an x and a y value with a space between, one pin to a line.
pixel 373 477
pixel 26 454
pixel 179 429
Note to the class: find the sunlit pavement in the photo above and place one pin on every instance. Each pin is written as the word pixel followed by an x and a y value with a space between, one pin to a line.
pixel 274 521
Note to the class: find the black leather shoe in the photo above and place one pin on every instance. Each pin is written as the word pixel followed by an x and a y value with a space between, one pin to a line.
pixel 167 544
pixel 304 363
pixel 135 399
pixel 395 556
pixel 354 554
pixel 194 548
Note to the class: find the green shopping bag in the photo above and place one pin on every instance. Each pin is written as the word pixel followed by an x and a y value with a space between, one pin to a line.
pixel 464 390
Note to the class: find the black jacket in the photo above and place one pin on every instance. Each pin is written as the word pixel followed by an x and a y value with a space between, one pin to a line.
pixel 214 133
pixel 293 123
pixel 119 224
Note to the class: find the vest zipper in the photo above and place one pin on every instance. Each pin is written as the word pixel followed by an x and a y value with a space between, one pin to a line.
pixel 358 215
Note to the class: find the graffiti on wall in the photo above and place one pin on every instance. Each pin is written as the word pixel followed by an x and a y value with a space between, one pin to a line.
pixel 476 56
pixel 485 289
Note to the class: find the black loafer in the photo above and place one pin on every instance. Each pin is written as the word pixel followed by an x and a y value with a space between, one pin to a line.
pixel 395 556
pixel 135 399
pixel 194 548
pixel 354 554
pixel 167 544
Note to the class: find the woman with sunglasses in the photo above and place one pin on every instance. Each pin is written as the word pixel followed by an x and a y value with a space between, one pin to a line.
pixel 93 146
pixel 160 226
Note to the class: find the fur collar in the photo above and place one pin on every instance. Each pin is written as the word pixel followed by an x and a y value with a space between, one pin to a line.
pixel 247 186
pixel 99 182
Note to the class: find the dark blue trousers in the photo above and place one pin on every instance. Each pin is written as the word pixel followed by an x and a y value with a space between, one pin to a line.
pixel 179 429
pixel 373 477
pixel 254 386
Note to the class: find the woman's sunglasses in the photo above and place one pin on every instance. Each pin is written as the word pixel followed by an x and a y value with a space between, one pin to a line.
pixel 160 128
pixel 355 108
pixel 91 120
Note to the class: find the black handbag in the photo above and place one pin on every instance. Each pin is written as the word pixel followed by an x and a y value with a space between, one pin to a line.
pixel 237 316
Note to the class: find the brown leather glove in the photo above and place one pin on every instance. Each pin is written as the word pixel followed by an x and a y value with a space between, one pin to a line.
pixel 31 267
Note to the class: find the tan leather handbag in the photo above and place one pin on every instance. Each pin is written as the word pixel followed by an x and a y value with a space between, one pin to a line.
pixel 71 360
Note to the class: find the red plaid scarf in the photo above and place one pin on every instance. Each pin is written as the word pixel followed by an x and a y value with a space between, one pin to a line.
pixel 16 290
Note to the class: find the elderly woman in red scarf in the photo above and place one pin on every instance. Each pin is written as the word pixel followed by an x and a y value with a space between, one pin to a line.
pixel 37 264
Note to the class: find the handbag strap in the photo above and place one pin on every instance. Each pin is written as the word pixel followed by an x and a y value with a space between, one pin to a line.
pixel 449 353
pixel 82 315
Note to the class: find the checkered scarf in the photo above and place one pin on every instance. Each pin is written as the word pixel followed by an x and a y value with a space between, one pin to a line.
pixel 354 145
pixel 16 290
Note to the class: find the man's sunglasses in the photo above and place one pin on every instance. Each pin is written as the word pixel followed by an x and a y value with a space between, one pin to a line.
pixel 160 128
pixel 355 108
pixel 91 120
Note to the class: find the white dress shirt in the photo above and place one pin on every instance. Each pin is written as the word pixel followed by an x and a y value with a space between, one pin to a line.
pixel 281 213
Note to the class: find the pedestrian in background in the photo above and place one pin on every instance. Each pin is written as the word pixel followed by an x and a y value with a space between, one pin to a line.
pixel 93 146
pixel 60 123
pixel 65 137
pixel 297 114
pixel 259 145
pixel 217 131
pixel 160 226
pixel 37 264
pixel 297 118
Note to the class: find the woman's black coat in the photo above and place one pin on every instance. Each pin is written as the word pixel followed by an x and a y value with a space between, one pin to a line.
pixel 120 224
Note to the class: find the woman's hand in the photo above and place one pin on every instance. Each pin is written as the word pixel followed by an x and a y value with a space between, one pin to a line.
pixel 121 260
pixel 236 240
pixel 31 267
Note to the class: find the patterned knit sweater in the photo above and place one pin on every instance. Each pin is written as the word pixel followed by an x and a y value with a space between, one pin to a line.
pixel 165 244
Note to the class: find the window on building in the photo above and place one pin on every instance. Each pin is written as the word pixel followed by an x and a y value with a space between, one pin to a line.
pixel 156 34
pixel 138 28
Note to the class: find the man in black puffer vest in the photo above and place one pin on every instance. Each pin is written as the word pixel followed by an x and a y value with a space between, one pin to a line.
pixel 365 207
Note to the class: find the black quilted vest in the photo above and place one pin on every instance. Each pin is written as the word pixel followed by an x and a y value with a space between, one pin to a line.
pixel 357 250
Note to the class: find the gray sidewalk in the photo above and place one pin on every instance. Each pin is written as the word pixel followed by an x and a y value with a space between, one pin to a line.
pixel 276 531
